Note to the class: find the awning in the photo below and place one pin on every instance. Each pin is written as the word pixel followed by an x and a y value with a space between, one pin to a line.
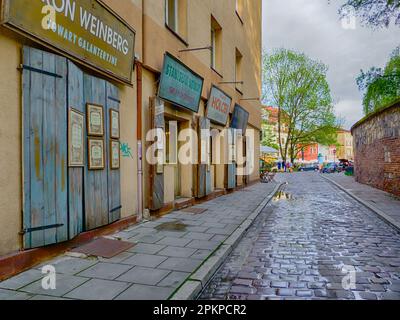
pixel 265 149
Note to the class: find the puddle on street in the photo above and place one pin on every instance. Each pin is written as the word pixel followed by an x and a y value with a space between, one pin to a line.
pixel 282 195
pixel 171 226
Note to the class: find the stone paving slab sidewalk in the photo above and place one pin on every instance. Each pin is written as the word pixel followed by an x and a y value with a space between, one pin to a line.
pixel 159 263
pixel 383 203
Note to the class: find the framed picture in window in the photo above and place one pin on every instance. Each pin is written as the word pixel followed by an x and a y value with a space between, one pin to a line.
pixel 115 158
pixel 96 153
pixel 76 123
pixel 114 124
pixel 95 120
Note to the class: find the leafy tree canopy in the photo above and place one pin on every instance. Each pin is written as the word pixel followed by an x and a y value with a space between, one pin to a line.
pixel 374 13
pixel 380 86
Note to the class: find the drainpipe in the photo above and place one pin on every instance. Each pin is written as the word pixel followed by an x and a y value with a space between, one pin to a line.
pixel 139 141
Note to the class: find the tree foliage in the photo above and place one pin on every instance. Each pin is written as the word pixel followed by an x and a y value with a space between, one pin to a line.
pixel 269 138
pixel 297 85
pixel 380 86
pixel 374 13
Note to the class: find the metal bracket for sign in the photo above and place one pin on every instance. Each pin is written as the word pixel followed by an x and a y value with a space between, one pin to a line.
pixel 47 73
pixel 232 82
pixel 197 49
pixel 116 209
pixel 250 99
pixel 52 226
pixel 115 100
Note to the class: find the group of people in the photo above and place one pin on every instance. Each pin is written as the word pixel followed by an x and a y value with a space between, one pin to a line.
pixel 285 166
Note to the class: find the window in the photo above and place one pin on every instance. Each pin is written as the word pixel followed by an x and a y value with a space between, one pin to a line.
pixel 238 71
pixel 176 16
pixel 216 45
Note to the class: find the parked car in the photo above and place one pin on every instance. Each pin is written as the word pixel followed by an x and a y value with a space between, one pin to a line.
pixel 309 167
pixel 331 167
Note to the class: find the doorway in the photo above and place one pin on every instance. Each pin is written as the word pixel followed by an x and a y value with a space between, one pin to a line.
pixel 172 129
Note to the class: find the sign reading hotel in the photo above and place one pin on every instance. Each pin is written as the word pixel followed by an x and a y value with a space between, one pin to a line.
pixel 179 85
pixel 219 106
pixel 85 30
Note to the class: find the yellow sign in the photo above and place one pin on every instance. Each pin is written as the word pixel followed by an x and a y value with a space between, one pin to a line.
pixel 86 30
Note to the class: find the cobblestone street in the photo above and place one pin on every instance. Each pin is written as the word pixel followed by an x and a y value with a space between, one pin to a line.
pixel 300 243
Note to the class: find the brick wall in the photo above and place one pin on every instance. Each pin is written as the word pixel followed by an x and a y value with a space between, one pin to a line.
pixel 377 150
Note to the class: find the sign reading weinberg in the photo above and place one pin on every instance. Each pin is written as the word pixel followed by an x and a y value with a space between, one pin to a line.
pixel 86 30
pixel 219 106
pixel 180 85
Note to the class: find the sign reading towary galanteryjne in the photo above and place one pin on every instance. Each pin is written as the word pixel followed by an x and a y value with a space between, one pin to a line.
pixel 180 85
pixel 86 30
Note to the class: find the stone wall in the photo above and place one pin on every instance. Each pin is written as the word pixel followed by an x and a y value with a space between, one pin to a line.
pixel 377 149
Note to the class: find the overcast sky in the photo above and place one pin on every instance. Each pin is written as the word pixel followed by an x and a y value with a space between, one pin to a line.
pixel 314 27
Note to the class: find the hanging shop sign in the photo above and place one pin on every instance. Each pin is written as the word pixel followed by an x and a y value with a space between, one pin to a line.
pixel 218 107
pixel 240 119
pixel 180 85
pixel 85 30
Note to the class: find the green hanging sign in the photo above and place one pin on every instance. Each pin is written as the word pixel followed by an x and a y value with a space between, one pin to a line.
pixel 180 85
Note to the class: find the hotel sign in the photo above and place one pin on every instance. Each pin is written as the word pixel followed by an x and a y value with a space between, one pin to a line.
pixel 180 85
pixel 86 30
pixel 219 106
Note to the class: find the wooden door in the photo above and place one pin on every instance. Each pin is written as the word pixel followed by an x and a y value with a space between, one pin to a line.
pixel 156 171
pixel 76 100
pixel 94 196
pixel 230 171
pixel 204 187
pixel 96 181
pixel 113 176
pixel 45 209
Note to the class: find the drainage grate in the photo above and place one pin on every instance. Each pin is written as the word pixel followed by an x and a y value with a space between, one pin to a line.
pixel 103 247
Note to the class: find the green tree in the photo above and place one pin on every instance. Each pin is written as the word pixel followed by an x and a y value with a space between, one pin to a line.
pixel 298 86
pixel 373 13
pixel 269 138
pixel 381 86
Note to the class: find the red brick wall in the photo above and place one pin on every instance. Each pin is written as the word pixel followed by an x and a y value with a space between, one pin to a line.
pixel 377 150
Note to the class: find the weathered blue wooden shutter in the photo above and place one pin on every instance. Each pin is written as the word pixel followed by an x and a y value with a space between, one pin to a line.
pixel 96 181
pixel 230 171
pixel 156 189
pixel 76 182
pixel 203 174
pixel 45 218
pixel 114 176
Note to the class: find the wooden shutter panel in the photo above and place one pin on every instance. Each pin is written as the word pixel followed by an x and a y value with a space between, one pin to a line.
pixel 156 178
pixel 96 181
pixel 45 217
pixel 76 189
pixel 114 176
pixel 203 173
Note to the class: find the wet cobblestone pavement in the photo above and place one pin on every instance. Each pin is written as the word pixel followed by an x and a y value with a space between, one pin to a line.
pixel 305 243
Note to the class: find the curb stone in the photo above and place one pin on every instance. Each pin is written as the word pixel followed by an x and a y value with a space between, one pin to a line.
pixel 199 279
pixel 377 211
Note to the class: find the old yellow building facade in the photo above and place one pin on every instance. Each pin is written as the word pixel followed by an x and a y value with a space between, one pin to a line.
pixel 44 198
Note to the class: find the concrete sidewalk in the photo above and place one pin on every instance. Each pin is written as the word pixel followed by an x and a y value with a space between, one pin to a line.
pixel 160 262
pixel 384 204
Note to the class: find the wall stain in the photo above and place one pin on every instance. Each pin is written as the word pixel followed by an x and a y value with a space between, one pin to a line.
pixel 62 173
pixel 37 155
